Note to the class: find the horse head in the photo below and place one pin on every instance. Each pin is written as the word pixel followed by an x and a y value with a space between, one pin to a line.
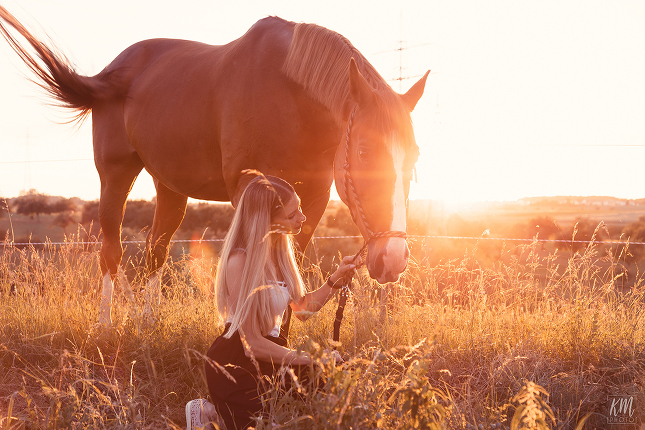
pixel 373 168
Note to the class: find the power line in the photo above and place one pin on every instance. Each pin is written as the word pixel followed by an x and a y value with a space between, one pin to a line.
pixel 404 48
pixel 400 50
pixel 391 80
pixel 27 179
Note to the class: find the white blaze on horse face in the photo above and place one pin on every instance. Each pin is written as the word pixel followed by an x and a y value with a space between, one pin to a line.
pixel 396 252
pixel 398 198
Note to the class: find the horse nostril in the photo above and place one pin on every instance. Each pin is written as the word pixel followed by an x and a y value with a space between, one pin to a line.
pixel 379 264
pixel 387 267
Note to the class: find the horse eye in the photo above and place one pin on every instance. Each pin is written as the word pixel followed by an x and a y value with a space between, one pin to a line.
pixel 363 155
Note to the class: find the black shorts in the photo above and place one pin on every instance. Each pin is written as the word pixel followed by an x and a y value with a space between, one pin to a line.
pixel 237 402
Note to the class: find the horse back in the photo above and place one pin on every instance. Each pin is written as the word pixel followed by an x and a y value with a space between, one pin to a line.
pixel 199 114
pixel 263 47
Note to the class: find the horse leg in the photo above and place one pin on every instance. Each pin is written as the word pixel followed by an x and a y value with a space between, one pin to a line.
pixel 116 184
pixel 169 212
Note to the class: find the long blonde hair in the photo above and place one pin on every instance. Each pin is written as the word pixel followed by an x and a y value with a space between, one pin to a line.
pixel 263 198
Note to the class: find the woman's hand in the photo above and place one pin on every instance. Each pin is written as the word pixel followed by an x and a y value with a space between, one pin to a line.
pixel 333 355
pixel 346 267
pixel 312 302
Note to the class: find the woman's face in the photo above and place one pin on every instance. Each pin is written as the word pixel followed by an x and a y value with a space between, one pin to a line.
pixel 291 218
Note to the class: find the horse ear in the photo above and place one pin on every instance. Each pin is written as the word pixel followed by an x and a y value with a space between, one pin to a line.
pixel 414 94
pixel 359 89
pixel 247 176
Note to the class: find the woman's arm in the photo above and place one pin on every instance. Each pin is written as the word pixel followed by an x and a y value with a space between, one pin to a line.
pixel 315 300
pixel 265 350
pixel 234 268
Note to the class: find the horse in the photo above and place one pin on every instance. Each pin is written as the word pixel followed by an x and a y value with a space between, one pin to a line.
pixel 293 100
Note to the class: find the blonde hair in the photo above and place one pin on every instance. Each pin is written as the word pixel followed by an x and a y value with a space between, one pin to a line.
pixel 263 198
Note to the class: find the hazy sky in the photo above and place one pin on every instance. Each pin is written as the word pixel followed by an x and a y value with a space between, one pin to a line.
pixel 525 98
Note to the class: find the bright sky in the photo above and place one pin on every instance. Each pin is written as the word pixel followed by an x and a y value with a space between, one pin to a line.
pixel 525 98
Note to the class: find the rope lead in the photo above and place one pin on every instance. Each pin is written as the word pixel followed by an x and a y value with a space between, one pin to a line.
pixel 349 187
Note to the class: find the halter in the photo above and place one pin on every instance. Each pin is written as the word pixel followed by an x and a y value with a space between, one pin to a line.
pixel 371 235
pixel 349 186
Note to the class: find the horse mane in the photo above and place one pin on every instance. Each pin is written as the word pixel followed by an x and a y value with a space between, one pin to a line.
pixel 318 59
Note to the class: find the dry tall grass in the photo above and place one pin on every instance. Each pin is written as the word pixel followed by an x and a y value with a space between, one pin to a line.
pixel 524 344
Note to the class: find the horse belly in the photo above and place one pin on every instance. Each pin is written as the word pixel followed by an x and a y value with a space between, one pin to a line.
pixel 187 164
pixel 171 123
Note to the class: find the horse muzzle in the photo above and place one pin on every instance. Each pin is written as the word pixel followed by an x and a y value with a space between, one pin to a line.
pixel 387 258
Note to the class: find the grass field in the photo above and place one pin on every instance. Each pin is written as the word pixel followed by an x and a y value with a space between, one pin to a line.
pixel 522 343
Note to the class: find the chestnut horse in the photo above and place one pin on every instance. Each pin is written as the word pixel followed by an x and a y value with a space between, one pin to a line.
pixel 284 99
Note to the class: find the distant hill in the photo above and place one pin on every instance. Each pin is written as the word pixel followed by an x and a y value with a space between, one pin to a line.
pixel 582 200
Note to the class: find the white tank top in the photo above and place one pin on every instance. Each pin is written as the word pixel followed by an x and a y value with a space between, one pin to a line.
pixel 281 299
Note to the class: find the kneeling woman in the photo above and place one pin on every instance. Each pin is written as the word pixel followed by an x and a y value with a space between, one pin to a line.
pixel 257 278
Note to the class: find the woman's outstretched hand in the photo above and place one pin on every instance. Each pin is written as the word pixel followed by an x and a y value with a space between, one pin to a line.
pixel 345 268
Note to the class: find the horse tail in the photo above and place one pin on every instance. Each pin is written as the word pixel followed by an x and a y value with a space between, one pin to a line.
pixel 57 77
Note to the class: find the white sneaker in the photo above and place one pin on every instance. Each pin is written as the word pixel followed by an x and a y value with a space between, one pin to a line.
pixel 200 413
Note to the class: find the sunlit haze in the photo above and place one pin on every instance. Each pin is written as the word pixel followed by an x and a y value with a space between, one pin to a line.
pixel 524 98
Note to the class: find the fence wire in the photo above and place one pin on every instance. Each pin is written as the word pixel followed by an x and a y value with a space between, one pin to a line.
pixel 411 236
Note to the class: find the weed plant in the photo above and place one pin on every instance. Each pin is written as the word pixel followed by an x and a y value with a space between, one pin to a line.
pixel 524 343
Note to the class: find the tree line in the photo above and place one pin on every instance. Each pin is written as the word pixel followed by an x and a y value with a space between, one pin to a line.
pixel 34 203
pixel 213 220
